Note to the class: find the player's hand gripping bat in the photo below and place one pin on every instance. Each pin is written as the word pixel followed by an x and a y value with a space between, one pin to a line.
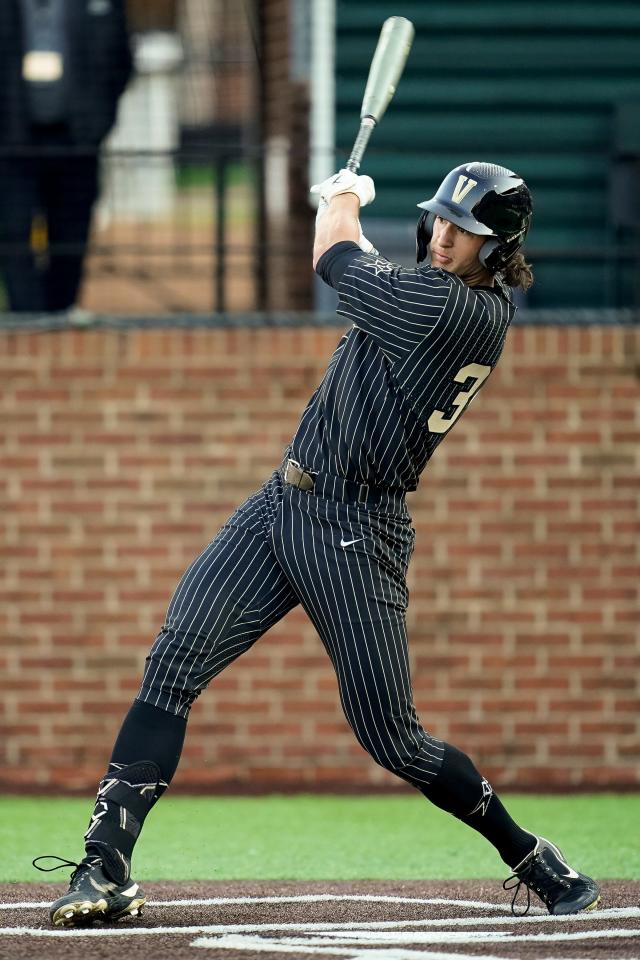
pixel 386 68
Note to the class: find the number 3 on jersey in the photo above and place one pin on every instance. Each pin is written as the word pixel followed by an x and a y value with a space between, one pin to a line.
pixel 438 422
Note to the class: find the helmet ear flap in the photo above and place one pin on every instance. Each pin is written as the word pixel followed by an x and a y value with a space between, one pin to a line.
pixel 487 248
pixel 496 254
pixel 424 232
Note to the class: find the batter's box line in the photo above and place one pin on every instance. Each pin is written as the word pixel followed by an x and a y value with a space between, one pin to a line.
pixel 392 946
pixel 241 944
pixel 237 944
pixel 299 898
pixel 321 927
pixel 384 938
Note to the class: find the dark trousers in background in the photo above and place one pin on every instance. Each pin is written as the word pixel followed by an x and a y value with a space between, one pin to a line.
pixel 62 189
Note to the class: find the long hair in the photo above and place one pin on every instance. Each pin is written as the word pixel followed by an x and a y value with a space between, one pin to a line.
pixel 518 273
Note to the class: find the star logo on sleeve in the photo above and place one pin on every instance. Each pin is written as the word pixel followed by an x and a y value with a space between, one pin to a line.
pixel 379 265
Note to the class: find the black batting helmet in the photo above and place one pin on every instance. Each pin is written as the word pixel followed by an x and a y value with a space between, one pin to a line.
pixel 484 199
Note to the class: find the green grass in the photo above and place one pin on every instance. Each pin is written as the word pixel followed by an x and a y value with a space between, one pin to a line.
pixel 323 838
pixel 195 176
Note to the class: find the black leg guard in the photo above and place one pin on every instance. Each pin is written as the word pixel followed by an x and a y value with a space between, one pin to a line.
pixel 124 800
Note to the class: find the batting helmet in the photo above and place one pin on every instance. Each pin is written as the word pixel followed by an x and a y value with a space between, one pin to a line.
pixel 484 199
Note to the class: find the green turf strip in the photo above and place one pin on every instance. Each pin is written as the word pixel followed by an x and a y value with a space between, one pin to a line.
pixel 323 838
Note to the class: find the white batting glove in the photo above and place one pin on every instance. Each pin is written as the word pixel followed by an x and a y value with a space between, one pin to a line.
pixel 323 206
pixel 346 182
pixel 365 245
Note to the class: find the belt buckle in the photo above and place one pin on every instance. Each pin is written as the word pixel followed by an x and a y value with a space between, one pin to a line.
pixel 296 476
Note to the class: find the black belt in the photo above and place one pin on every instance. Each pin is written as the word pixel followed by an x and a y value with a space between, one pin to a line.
pixel 338 488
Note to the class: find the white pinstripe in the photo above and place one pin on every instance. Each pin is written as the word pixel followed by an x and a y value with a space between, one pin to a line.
pixel 393 389
pixel 309 554
pixel 357 671
pixel 323 617
pixel 339 656
pixel 236 592
pixel 187 629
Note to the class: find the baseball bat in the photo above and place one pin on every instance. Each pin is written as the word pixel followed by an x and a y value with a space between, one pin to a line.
pixel 386 68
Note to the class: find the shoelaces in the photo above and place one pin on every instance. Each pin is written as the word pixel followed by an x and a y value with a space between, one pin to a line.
pixel 62 862
pixel 537 875
pixel 508 886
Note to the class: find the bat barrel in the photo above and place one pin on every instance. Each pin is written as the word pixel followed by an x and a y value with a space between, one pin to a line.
pixel 388 62
pixel 387 65
pixel 367 125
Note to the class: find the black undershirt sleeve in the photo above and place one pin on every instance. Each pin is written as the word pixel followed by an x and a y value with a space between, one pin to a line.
pixel 334 261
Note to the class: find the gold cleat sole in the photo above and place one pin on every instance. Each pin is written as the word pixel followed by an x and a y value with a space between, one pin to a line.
pixel 78 913
pixel 134 909
pixel 592 906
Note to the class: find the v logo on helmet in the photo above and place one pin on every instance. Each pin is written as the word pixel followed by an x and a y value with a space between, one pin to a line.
pixel 463 186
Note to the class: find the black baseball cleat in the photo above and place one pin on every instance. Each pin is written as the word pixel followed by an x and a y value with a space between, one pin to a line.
pixel 92 895
pixel 559 886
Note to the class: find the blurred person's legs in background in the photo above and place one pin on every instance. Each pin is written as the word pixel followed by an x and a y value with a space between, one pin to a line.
pixel 70 189
pixel 20 200
pixel 45 275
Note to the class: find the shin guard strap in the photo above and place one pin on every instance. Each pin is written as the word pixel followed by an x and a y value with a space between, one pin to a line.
pixel 123 801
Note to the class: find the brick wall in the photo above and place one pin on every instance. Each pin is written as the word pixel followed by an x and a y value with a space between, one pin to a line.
pixel 122 452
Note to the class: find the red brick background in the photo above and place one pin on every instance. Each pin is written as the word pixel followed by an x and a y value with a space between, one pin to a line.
pixel 122 452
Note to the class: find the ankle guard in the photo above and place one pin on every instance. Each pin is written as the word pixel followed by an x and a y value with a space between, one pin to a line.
pixel 124 800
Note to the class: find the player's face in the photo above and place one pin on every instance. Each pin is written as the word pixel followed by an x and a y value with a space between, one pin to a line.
pixel 454 249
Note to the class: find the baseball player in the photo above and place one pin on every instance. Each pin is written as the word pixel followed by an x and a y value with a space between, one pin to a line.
pixel 330 530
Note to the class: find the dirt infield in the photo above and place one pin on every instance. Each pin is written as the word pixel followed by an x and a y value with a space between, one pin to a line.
pixel 353 921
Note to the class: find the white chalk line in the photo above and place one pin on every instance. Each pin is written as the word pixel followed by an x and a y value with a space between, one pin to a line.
pixel 372 940
pixel 300 898
pixel 452 936
pixel 255 945
pixel 326 929
pixel 376 946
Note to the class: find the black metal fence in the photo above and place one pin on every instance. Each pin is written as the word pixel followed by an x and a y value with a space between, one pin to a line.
pixel 176 217
pixel 41 323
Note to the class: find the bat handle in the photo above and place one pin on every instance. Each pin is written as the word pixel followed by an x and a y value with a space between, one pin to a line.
pixel 366 129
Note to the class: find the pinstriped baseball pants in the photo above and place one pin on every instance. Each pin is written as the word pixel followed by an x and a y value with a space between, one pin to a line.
pixel 281 548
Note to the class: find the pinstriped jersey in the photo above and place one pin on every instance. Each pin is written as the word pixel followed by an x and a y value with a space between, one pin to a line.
pixel 421 345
